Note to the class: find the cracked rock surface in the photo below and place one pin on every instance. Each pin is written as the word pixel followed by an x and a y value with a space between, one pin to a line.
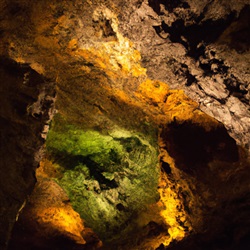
pixel 201 47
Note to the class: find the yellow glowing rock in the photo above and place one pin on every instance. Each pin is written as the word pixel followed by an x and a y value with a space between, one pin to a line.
pixel 111 56
pixel 114 57
pixel 122 96
pixel 171 212
pixel 19 60
pixel 64 220
pixel 37 67
pixel 179 106
pixel 72 44
pixel 50 214
pixel 154 91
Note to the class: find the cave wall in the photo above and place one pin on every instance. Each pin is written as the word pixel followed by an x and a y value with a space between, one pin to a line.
pixel 26 101
pixel 201 47
pixel 100 57
pixel 186 44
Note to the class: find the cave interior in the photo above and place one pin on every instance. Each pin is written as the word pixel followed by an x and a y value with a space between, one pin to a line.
pixel 125 125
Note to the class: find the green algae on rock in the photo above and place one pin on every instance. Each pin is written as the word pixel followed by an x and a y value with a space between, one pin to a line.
pixel 109 178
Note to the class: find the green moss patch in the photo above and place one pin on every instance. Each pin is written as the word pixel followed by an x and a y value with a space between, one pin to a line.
pixel 109 178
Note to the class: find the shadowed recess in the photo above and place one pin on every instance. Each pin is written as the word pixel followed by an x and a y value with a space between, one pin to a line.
pixel 193 147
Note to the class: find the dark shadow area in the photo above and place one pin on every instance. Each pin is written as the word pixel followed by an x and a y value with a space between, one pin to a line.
pixel 235 30
pixel 192 36
pixel 166 167
pixel 20 136
pixel 225 222
pixel 70 162
pixel 237 35
pixel 193 147
pixel 24 239
pixel 233 236
pixel 168 5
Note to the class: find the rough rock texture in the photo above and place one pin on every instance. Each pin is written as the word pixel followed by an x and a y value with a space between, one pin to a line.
pixel 26 102
pixel 201 47
pixel 94 52
pixel 110 178
pixel 49 222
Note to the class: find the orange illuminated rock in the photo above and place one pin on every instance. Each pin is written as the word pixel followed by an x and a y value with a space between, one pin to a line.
pixel 49 216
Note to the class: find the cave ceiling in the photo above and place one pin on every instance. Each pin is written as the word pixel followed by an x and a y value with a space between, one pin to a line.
pixel 125 123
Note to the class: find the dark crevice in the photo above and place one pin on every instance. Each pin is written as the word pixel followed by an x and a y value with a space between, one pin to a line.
pixel 236 89
pixel 184 72
pixel 70 162
pixel 191 36
pixel 166 167
pixel 221 67
pixel 190 79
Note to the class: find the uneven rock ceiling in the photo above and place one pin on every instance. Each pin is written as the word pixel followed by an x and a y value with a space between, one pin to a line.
pixel 125 124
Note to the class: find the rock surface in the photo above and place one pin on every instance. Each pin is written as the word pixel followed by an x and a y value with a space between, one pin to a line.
pixel 201 47
pixel 126 65
pixel 49 222
pixel 26 106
